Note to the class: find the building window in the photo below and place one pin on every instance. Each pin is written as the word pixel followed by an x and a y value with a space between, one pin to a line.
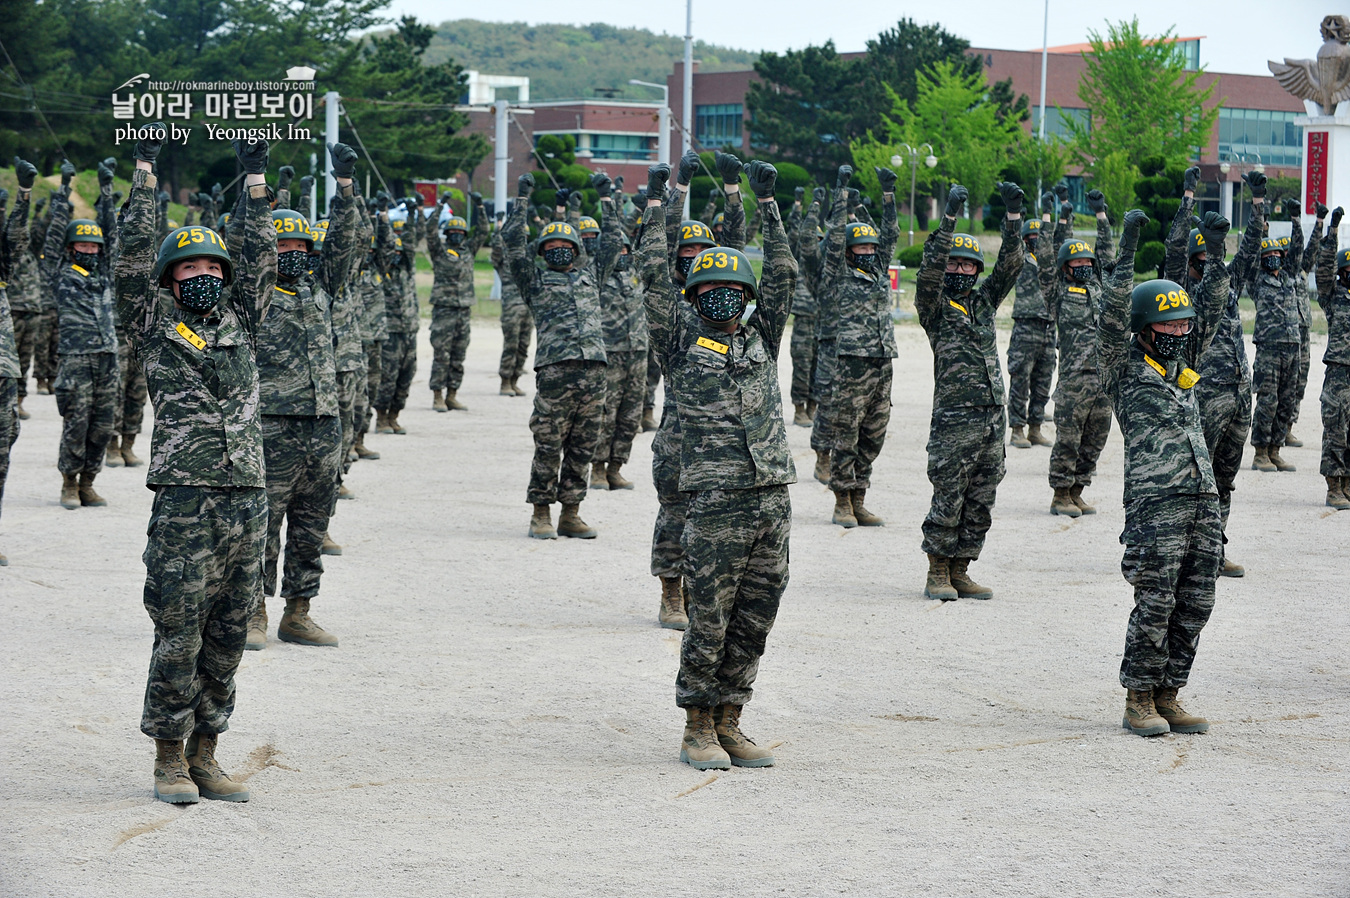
pixel 1055 119
pixel 719 125
pixel 1190 54
pixel 1273 136
pixel 622 146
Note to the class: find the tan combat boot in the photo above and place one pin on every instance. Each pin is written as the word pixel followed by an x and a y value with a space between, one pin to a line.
pixel 599 481
pixel 130 458
pixel 382 424
pixel 616 480
pixel 939 585
pixel 671 615
pixel 212 782
pixel 452 401
pixel 1336 497
pixel 1291 440
pixel 361 451
pixel 822 472
pixel 1261 460
pixel 112 456
pixel 1036 438
pixel 1076 494
pixel 739 747
pixel 438 401
pixel 1169 709
pixel 1141 718
pixel 648 420
pixel 843 510
pixel 506 389
pixel 1232 569
pixel 328 547
pixel 394 426
pixel 345 493
pixel 570 523
pixel 541 523
pixel 256 640
pixel 87 495
pixel 799 415
pixel 965 587
pixel 70 491
pixel 298 627
pixel 1279 463
pixel 1018 439
pixel 172 781
pixel 865 518
pixel 21 412
pixel 811 410
pixel 515 386
pixel 1063 503
pixel 700 747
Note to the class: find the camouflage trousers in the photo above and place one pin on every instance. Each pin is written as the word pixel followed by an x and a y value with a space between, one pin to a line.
pixel 449 345
pixel 27 329
pixel 965 466
pixel 667 553
pixel 9 425
pixel 1031 368
pixel 86 396
pixel 1304 365
pixel 365 402
pixel 822 391
pixel 625 385
pixel 803 349
pixel 517 328
pixel 129 407
pixel 301 456
pixel 1173 552
pixel 1082 425
pixel 653 378
pixel 862 411
pixel 1275 383
pixel 1226 415
pixel 1336 421
pixel 351 389
pixel 44 349
pixel 203 578
pixel 736 543
pixel 398 364
pixel 568 400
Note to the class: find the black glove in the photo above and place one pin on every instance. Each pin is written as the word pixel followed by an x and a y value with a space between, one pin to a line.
pixel 162 197
pixel 657 176
pixel 956 198
pixel 799 194
pixel 105 176
pixel 415 200
pixel 842 178
pixel 854 198
pixel 117 197
pixel 382 199
pixel 525 185
pixel 1192 179
pixel 762 177
pixel 1256 180
pixel 561 196
pixel 67 172
pixel 284 176
pixel 818 195
pixel 1096 201
pixel 1012 196
pixel 1048 203
pixel 1135 219
pixel 39 206
pixel 1322 211
pixel 887 179
pixel 1213 229
pixel 688 168
pixel 476 198
pixel 26 172
pixel 343 158
pixel 201 199
pixel 307 183
pixel 147 148
pixel 4 196
pixel 252 157
pixel 618 184
pixel 111 162
pixel 1066 210
pixel 1336 215
pixel 1062 192
pixel 217 191
pixel 729 167
pixel 866 201
pixel 602 184
pixel 1293 207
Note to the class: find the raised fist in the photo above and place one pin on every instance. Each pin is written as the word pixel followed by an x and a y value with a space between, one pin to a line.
pixel 1135 219
pixel 525 185
pixel 729 167
pixel 956 199
pixel 343 158
pixel 1096 201
pixel 26 173
pixel 887 179
pixel 1012 197
pixel 762 177
pixel 845 173
pixel 1192 179
pixel 602 184
pixel 688 166
pixel 657 176
pixel 252 156
pixel 1256 180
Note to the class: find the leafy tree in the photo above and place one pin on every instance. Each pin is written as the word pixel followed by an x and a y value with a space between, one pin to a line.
pixel 898 55
pixel 1158 190
pixel 1115 176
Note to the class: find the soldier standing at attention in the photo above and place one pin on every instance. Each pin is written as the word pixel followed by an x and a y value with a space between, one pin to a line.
pixel 193 316
pixel 569 365
pixel 517 322
pixel 735 463
pixel 1173 533
pixel 452 298
pixel 965 438
pixel 1031 350
pixel 1333 294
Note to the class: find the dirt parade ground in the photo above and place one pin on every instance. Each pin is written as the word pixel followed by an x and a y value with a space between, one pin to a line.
pixel 499 719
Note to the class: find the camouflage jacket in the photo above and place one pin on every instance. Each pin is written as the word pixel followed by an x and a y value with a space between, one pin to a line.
pixel 453 266
pixel 1305 288
pixel 84 299
pixel 1154 400
pixel 802 231
pixel 9 353
pixel 725 385
pixel 201 370
pixel 1335 302
pixel 394 263
pixel 1073 306
pixel 1030 299
pixel 621 308
pixel 25 285
pixel 966 370
pixel 349 303
pixel 860 300
pixel 374 318
pixel 566 304
pixel 1275 293
pixel 510 292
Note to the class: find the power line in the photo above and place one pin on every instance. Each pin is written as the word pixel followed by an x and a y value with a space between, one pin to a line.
pixel 33 99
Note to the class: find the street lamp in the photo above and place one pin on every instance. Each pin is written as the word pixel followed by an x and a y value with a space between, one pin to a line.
pixel 1225 167
pixel 897 160
pixel 663 139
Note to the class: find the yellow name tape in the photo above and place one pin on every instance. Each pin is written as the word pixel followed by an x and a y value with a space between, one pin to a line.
pixel 1078 289
pixel 1187 378
pixel 188 334
pixel 80 270
pixel 956 305
pixel 713 345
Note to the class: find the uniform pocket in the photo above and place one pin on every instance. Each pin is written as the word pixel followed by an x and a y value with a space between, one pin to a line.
pixel 166 590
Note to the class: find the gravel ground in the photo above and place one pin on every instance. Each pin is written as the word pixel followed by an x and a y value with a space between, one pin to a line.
pixel 499 719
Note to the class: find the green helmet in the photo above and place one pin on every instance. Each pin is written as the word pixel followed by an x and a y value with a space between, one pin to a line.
pixel 1075 249
pixel 223 221
pixel 588 227
pixel 1196 244
pixel 717 220
pixel 456 224
pixel 627 241
pixel 190 243
pixel 721 263
pixel 1031 227
pixel 83 230
pixel 1343 259
pixel 558 230
pixel 1284 243
pixel 965 246
pixel 860 232
pixel 1158 300
pixel 695 233
pixel 320 232
pixel 1271 245
pixel 291 225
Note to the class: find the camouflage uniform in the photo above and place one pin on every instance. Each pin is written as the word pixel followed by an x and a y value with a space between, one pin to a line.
pixel 1173 536
pixel 23 285
pixel 394 260
pixel 28 274
pixel 129 403
pixel 1305 291
pixel 653 379
pixel 625 324
pixel 1277 338
pixel 1031 349
pixel 810 253
pixel 302 429
pixel 517 322
pixel 1335 302
pixel 965 438
pixel 374 319
pixel 569 364
pixel 349 341
pixel 452 298
pixel 1082 410
pixel 803 342
pixel 208 526
pixel 9 372
pixel 86 378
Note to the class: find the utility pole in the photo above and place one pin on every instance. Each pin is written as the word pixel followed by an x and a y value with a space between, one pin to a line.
pixel 500 174
pixel 331 102
pixel 1045 56
pixel 687 112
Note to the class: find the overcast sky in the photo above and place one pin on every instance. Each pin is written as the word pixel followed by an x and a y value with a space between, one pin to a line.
pixel 1285 28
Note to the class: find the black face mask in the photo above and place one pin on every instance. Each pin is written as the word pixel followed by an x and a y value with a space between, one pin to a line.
pixel 1170 346
pixel 87 261
pixel 683 264
pixel 200 293
pixel 590 243
pixel 961 283
pixel 454 238
pixel 721 304
pixel 560 257
pixel 623 263
pixel 1082 273
pixel 864 262
pixel 1344 278
pixel 1271 263
pixel 292 264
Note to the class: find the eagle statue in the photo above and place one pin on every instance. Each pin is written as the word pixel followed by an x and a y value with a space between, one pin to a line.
pixel 1326 79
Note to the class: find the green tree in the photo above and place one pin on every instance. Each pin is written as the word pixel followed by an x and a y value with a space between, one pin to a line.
pixel 898 55
pixel 1158 192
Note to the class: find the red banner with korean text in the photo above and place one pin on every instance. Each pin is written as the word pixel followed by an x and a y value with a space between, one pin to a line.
pixel 1317 169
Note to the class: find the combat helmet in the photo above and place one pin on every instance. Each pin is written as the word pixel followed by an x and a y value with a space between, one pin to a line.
pixel 190 243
